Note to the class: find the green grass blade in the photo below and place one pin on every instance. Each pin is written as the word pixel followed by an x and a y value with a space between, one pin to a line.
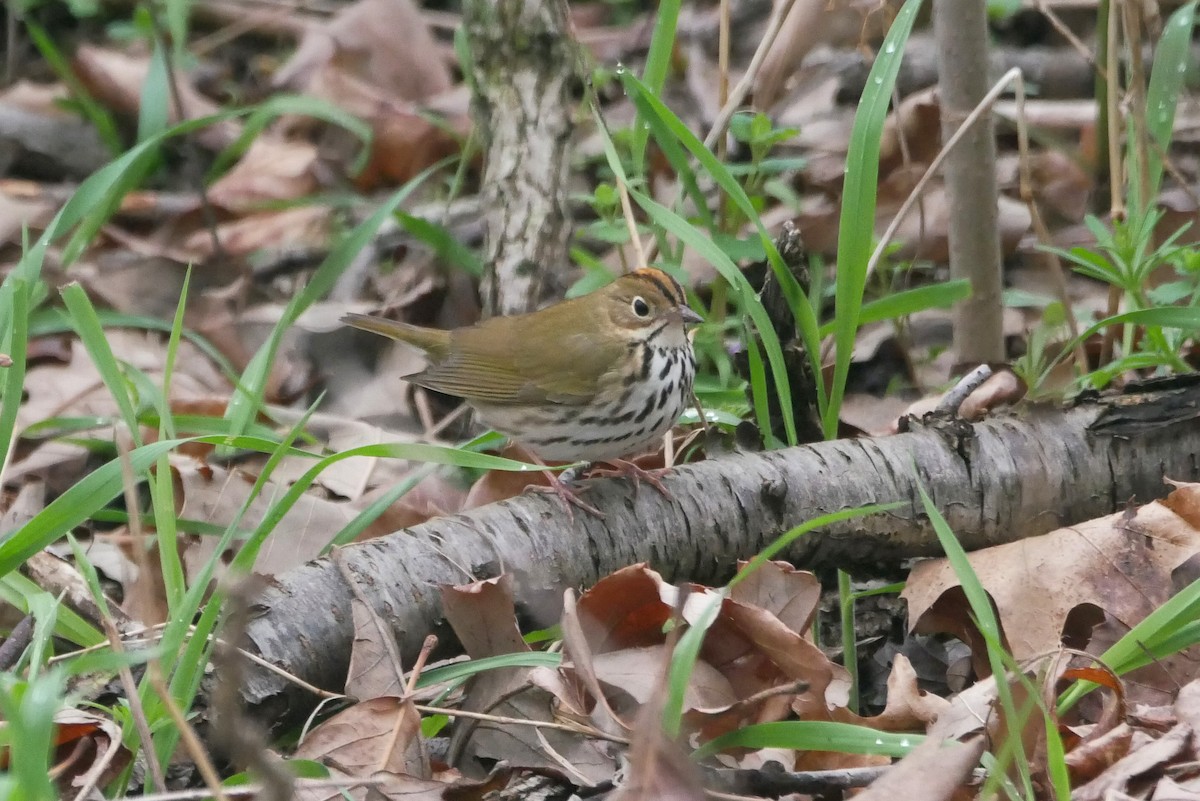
pixel 91 334
pixel 988 625
pixel 758 389
pixel 56 321
pixel 99 194
pixel 805 318
pixel 16 590
pixel 699 242
pixel 658 65
pixel 162 487
pixel 812 735
pixel 154 110
pixel 263 114
pixel 98 488
pixel 909 301
pixel 1184 317
pixel 96 114
pixel 678 160
pixel 73 507
pixel 372 513
pixel 473 667
pixel 1166 630
pixel 1172 55
pixel 444 243
pixel 802 311
pixel 846 603
pixel 14 342
pixel 683 662
pixel 784 540
pixel 856 231
pixel 248 398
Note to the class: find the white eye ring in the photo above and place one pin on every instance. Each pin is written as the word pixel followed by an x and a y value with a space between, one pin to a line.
pixel 640 307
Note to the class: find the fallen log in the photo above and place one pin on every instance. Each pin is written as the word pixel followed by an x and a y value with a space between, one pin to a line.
pixel 1017 475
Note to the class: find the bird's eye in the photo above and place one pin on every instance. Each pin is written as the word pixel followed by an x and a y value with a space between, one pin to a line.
pixel 640 307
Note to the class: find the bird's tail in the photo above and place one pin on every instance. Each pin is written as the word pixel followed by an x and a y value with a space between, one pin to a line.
pixel 434 341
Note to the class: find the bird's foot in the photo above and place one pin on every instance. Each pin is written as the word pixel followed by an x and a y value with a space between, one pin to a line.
pixel 622 468
pixel 562 486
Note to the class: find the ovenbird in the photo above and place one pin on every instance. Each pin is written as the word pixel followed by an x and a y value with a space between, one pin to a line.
pixel 593 378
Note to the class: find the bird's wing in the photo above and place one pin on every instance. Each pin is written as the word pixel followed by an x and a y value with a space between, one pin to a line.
pixel 495 362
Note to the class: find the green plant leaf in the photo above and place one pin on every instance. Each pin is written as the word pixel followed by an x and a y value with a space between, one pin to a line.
pixel 857 227
pixel 909 301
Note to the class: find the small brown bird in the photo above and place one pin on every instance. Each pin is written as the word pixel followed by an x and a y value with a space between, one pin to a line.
pixel 594 378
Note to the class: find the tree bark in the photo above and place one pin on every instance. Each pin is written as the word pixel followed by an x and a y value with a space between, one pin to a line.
pixel 1018 475
pixel 960 27
pixel 524 64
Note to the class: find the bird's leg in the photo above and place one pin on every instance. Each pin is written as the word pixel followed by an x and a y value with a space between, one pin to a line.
pixel 623 468
pixel 561 485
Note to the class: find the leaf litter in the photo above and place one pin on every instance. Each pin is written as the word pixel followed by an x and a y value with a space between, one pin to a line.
pixel 761 662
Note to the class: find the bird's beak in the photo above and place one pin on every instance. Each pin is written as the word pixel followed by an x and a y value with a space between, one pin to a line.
pixel 688 316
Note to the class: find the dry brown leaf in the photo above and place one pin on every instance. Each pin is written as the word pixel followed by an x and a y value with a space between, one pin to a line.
pixel 634 671
pixel 1142 763
pixel 924 232
pixel 434 496
pixel 375 667
pixel 405 141
pixel 813 22
pixel 968 713
pixel 909 708
pixel 1088 760
pixel 348 478
pixel 484 617
pixel 1120 564
pixel 1061 187
pixel 116 79
pixel 74 388
pixel 377 734
pixel 299 227
pixel 213 494
pixel 626 609
pixel 88 750
pixel 357 63
pixel 912 133
pixel 272 169
pixel 789 594
pixel 756 652
pixel 17 214
pixel 384 41
pixel 659 769
pixel 43 98
pixel 54 463
pixel 1003 388
pixel 932 771
pixel 578 651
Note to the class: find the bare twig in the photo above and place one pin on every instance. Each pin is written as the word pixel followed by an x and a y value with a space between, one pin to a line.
pixel 253 790
pixel 537 724
pixel 243 740
pixel 966 385
pixel 136 710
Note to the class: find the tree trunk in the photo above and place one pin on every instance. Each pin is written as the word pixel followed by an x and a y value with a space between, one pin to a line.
pixel 524 66
pixel 960 27
pixel 1014 476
